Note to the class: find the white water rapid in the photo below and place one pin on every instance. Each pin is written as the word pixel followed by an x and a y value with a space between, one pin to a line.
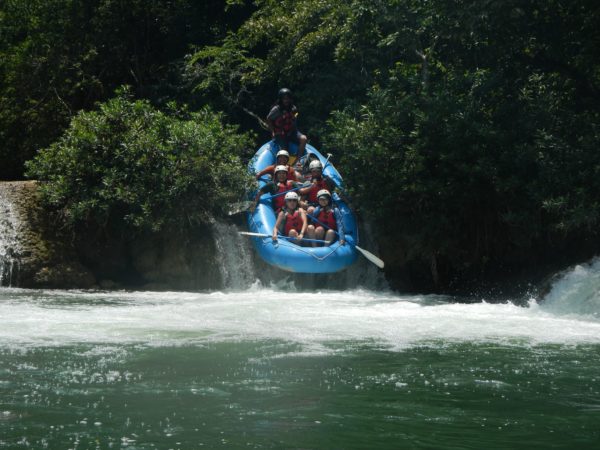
pixel 316 321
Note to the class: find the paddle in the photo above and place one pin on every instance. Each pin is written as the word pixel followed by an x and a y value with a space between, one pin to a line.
pixel 367 254
pixel 265 235
pixel 239 207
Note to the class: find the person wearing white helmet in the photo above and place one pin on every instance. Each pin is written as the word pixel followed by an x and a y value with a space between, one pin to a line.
pixel 277 188
pixel 318 183
pixel 328 221
pixel 282 123
pixel 282 159
pixel 291 219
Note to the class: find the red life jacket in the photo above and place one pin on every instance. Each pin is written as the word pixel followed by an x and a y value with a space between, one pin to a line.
pixel 285 123
pixel 279 202
pixel 327 218
pixel 314 190
pixel 293 221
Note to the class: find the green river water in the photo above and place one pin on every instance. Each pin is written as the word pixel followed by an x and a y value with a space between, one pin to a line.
pixel 269 368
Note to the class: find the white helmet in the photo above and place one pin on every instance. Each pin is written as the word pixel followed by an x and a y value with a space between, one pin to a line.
pixel 315 165
pixel 291 196
pixel 283 153
pixel 323 193
pixel 281 169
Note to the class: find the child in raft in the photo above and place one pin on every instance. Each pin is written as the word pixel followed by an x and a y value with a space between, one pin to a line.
pixel 328 221
pixel 280 185
pixel 291 219
pixel 318 183
pixel 282 159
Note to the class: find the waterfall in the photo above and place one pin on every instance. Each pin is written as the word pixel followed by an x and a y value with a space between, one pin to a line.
pixel 576 291
pixel 9 243
pixel 234 256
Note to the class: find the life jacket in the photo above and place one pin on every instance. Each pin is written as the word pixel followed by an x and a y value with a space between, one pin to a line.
pixel 315 188
pixel 279 202
pixel 293 221
pixel 327 218
pixel 286 122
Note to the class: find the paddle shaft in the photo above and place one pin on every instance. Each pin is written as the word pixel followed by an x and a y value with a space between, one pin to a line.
pixel 279 236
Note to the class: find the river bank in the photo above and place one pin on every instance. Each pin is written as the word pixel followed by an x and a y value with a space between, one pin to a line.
pixel 38 251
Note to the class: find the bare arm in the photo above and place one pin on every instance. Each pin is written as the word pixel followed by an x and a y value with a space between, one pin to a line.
pixel 304 222
pixel 266 170
pixel 277 223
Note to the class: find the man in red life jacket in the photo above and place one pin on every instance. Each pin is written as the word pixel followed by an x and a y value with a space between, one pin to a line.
pixel 282 123
pixel 292 219
pixel 279 185
pixel 318 182
pixel 281 159
pixel 329 220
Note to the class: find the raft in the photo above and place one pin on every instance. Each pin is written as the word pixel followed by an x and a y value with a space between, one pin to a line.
pixel 285 254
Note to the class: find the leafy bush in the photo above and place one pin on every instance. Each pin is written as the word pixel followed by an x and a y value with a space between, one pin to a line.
pixel 132 166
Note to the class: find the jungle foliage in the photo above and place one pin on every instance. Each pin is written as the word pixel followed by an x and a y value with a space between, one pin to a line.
pixel 61 56
pixel 468 130
pixel 131 167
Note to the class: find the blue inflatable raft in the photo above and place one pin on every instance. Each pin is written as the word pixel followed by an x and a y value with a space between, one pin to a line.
pixel 285 254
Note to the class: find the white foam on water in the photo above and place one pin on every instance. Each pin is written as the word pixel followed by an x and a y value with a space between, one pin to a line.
pixel 318 322
pixel 576 292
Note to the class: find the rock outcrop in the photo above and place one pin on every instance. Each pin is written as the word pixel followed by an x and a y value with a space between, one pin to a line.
pixel 41 253
pixel 38 251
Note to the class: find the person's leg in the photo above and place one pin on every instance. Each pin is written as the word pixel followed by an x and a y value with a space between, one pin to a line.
pixel 319 232
pixel 330 237
pixel 293 233
pixel 302 140
pixel 310 234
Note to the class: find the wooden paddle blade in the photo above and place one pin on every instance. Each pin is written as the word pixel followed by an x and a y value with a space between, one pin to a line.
pixel 371 257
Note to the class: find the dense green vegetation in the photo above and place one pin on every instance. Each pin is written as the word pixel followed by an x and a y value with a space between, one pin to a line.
pixel 60 56
pixel 132 167
pixel 478 121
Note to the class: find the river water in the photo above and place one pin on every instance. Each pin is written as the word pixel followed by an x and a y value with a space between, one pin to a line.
pixel 271 367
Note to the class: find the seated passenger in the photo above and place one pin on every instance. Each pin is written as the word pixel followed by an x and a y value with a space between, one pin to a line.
pixel 329 220
pixel 292 219
pixel 280 185
pixel 282 159
pixel 318 182
pixel 305 171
